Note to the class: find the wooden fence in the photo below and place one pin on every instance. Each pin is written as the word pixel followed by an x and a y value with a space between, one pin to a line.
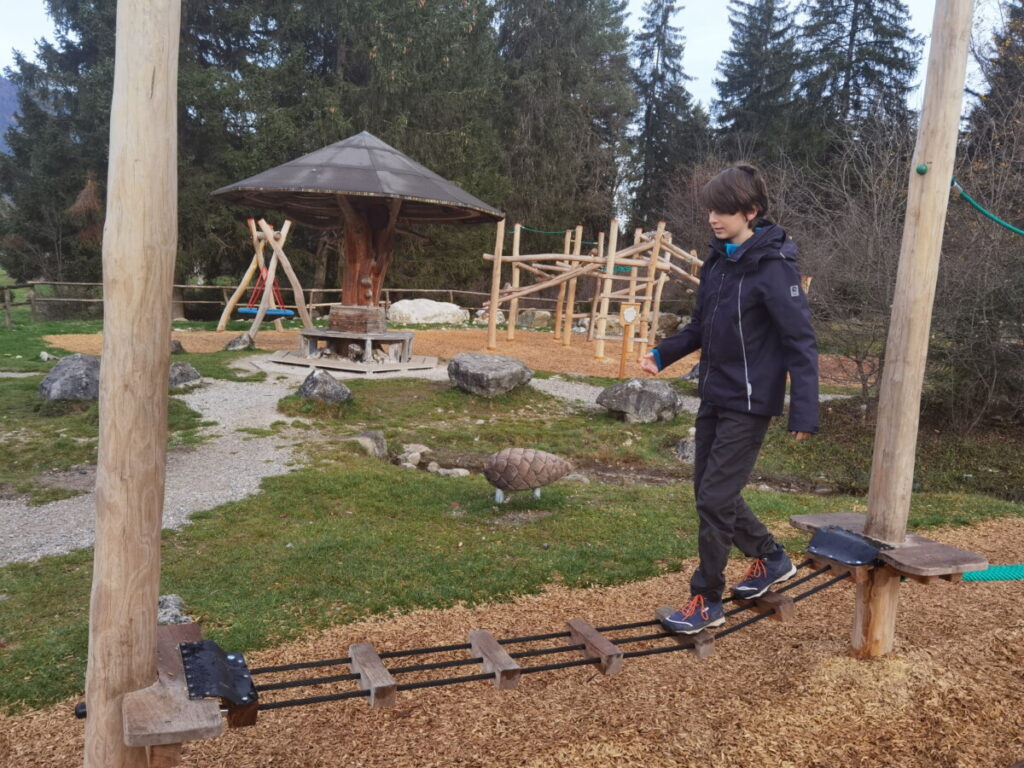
pixel 36 298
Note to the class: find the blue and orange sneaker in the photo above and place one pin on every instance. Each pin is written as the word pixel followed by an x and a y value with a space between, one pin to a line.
pixel 696 616
pixel 763 573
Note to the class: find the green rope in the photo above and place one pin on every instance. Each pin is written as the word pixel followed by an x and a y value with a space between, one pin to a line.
pixel 992 216
pixel 998 572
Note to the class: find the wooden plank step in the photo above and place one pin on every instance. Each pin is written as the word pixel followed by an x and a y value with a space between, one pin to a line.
pixel 851 521
pixel 163 714
pixel 373 675
pixel 597 646
pixel 932 559
pixel 783 606
pixel 495 659
pixel 703 641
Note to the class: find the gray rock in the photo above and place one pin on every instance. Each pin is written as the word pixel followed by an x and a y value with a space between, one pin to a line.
pixel 47 357
pixel 538 319
pixel 170 609
pixel 577 477
pixel 355 352
pixel 373 443
pixel 245 341
pixel 693 375
pixel 487 375
pixel 686 450
pixel 433 467
pixel 642 401
pixel 668 324
pixel 76 377
pixel 176 348
pixel 320 385
pixel 415 448
pixel 453 472
pixel 183 375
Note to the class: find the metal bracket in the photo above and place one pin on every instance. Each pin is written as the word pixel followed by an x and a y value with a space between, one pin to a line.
pixel 844 546
pixel 212 673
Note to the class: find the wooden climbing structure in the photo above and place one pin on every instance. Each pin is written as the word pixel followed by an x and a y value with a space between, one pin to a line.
pixel 635 275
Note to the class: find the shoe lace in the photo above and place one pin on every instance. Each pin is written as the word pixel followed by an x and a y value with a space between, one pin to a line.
pixel 756 569
pixel 697 601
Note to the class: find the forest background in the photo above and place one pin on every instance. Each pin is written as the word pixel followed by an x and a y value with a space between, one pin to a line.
pixel 555 113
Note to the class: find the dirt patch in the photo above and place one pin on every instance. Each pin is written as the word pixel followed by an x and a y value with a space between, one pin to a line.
pixel 540 351
pixel 81 478
pixel 785 695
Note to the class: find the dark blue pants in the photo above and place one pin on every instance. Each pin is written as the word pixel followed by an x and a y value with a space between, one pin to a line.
pixel 727 444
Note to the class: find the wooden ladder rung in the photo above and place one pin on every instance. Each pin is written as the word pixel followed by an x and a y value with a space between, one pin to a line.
pixel 597 646
pixel 373 675
pixel 495 659
pixel 703 642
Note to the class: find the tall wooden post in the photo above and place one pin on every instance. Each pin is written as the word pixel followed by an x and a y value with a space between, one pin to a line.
pixel 139 245
pixel 606 289
pixel 561 288
pixel 492 308
pixel 598 282
pixel 570 299
pixel 513 305
pixel 892 467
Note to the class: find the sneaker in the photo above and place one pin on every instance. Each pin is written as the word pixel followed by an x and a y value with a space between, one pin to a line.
pixel 697 615
pixel 763 573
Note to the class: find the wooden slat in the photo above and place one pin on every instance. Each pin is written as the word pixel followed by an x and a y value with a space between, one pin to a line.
pixel 597 646
pixel 783 606
pixel 163 714
pixel 932 559
pixel 373 676
pixel 857 573
pixel 851 521
pixel 703 641
pixel 495 659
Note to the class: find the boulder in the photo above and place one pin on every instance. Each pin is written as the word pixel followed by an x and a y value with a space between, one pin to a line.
pixel 176 348
pixel 75 377
pixel 372 442
pixel 320 385
pixel 481 316
pixel 170 609
pixel 669 324
pixel 686 449
pixel 183 375
pixel 453 472
pixel 641 401
pixel 537 319
pixel 245 341
pixel 426 312
pixel 487 375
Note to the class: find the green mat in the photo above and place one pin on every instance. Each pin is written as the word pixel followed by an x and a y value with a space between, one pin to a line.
pixel 998 573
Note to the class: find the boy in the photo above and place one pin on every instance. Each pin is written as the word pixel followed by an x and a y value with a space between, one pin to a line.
pixel 753 327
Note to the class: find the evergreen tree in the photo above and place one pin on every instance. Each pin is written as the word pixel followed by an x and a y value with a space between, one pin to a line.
pixel 858 58
pixel 672 128
pixel 755 108
pixel 566 108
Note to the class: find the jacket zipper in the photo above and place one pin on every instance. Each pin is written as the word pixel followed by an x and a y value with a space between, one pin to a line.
pixel 743 346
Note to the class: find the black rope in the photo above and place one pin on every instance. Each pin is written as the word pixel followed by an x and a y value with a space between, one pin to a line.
pixel 435 665
pixel 445 681
pixel 545 651
pixel 819 587
pixel 558 665
pixel 299 665
pixel 306 681
pixel 313 700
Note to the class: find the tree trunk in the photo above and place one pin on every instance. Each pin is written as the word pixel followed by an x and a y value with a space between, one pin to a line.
pixel 368 241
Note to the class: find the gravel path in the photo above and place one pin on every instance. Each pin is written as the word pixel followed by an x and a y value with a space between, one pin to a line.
pixel 227 467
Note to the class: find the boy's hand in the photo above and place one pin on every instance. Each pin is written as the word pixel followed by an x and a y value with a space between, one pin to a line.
pixel 647 364
pixel 798 436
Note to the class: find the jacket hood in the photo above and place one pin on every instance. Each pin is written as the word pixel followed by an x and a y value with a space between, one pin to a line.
pixel 768 242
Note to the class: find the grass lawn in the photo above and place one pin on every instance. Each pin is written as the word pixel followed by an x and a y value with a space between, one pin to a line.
pixel 347 536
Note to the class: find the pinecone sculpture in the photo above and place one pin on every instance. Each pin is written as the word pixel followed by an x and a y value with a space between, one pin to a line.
pixel 520 469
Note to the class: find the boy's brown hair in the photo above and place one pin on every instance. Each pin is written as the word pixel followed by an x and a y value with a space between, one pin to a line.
pixel 739 189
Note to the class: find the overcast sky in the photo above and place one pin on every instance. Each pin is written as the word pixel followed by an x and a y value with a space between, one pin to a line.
pixel 705 25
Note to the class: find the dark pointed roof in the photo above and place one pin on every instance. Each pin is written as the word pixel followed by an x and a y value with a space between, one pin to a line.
pixel 306 189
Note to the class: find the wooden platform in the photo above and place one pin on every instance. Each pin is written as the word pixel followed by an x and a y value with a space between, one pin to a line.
pixel 296 357
pixel 337 341
pixel 918 558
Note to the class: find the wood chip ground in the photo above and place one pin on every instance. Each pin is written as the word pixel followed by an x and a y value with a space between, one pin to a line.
pixel 773 696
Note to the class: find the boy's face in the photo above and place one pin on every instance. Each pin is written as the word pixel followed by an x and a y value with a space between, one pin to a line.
pixel 728 226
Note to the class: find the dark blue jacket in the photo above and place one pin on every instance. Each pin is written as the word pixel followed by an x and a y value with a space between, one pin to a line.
pixel 753 326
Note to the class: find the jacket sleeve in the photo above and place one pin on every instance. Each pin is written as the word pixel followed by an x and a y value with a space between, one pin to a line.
pixel 686 341
pixel 787 305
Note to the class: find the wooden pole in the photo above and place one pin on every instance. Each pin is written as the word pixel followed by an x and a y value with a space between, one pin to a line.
pixel 513 306
pixel 570 301
pixel 892 467
pixel 627 339
pixel 7 308
pixel 561 288
pixel 492 308
pixel 609 271
pixel 652 276
pixel 139 246
pixel 596 301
